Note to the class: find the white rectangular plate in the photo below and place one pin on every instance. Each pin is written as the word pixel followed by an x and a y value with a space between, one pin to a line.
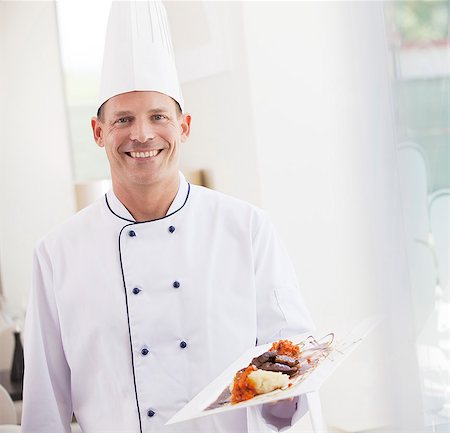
pixel 341 349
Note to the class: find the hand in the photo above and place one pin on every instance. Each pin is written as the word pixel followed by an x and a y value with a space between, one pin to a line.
pixel 281 408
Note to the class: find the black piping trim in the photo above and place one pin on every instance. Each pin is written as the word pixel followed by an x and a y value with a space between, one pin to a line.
pixel 125 289
pixel 129 330
pixel 148 221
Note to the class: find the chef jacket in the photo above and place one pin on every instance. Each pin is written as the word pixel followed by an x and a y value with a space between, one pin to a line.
pixel 128 321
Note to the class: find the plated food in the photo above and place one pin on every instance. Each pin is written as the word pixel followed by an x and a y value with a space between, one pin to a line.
pixel 282 366
pixel 317 360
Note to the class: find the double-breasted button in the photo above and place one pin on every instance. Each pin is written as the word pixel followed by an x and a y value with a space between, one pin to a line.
pixel 171 229
pixel 151 413
pixel 176 284
pixel 136 290
pixel 145 351
pixel 183 345
pixel 131 233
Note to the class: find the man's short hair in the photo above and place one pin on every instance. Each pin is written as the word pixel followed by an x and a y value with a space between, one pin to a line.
pixel 100 112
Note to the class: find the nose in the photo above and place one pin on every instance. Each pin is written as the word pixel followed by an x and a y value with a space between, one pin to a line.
pixel 141 131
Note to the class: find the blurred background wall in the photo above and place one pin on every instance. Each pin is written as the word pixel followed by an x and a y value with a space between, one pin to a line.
pixel 302 108
pixel 36 179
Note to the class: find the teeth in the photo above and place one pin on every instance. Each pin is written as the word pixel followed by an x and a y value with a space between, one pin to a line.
pixel 144 154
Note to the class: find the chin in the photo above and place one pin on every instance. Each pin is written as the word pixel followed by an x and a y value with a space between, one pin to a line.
pixel 147 180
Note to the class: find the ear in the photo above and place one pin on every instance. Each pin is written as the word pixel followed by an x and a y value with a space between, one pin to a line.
pixel 185 127
pixel 97 130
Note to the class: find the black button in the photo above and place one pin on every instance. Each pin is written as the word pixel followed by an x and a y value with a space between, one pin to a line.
pixel 145 351
pixel 171 229
pixel 151 413
pixel 131 234
pixel 183 345
pixel 136 290
pixel 176 284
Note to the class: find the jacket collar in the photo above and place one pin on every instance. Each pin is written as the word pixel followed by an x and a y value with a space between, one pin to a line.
pixel 120 211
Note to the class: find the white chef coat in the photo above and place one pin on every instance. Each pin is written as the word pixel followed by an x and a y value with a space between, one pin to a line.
pixel 128 321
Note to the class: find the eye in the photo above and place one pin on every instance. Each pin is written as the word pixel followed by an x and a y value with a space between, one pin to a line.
pixel 159 117
pixel 123 120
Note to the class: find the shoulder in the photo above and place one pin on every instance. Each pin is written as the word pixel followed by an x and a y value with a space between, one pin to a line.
pixel 75 227
pixel 223 206
pixel 206 197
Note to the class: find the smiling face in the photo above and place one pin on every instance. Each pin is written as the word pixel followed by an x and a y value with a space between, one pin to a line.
pixel 141 133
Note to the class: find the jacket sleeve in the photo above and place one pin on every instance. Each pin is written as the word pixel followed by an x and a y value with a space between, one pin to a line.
pixel 281 310
pixel 281 313
pixel 47 404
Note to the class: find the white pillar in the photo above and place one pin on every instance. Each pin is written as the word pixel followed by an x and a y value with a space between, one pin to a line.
pixel 319 77
pixel 34 139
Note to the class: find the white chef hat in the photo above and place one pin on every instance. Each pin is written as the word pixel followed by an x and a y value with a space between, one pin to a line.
pixel 138 52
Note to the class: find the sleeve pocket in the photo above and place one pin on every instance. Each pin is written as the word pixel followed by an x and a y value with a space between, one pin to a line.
pixel 297 318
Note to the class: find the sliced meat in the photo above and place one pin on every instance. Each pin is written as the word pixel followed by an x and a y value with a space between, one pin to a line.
pixel 275 366
pixel 265 357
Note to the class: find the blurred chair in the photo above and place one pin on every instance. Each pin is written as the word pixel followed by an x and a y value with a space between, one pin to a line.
pixel 413 172
pixel 88 192
pixel 201 177
pixel 439 210
pixel 75 428
pixel 6 346
pixel 7 409
pixel 10 429
pixel 414 189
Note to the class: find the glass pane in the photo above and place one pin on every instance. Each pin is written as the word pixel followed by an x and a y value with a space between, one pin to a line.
pixel 82 54
pixel 420 48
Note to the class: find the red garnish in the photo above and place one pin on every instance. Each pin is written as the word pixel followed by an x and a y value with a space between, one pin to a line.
pixel 286 347
pixel 242 388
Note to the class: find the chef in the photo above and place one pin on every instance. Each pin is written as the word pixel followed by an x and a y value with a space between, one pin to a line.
pixel 144 297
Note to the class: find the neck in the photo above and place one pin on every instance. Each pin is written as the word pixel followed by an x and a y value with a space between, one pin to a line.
pixel 147 202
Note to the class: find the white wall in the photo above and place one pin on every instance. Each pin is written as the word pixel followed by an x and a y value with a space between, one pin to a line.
pixel 35 170
pixel 222 138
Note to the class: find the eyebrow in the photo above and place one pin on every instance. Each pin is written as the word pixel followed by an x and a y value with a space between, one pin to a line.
pixel 130 113
pixel 158 110
pixel 122 113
